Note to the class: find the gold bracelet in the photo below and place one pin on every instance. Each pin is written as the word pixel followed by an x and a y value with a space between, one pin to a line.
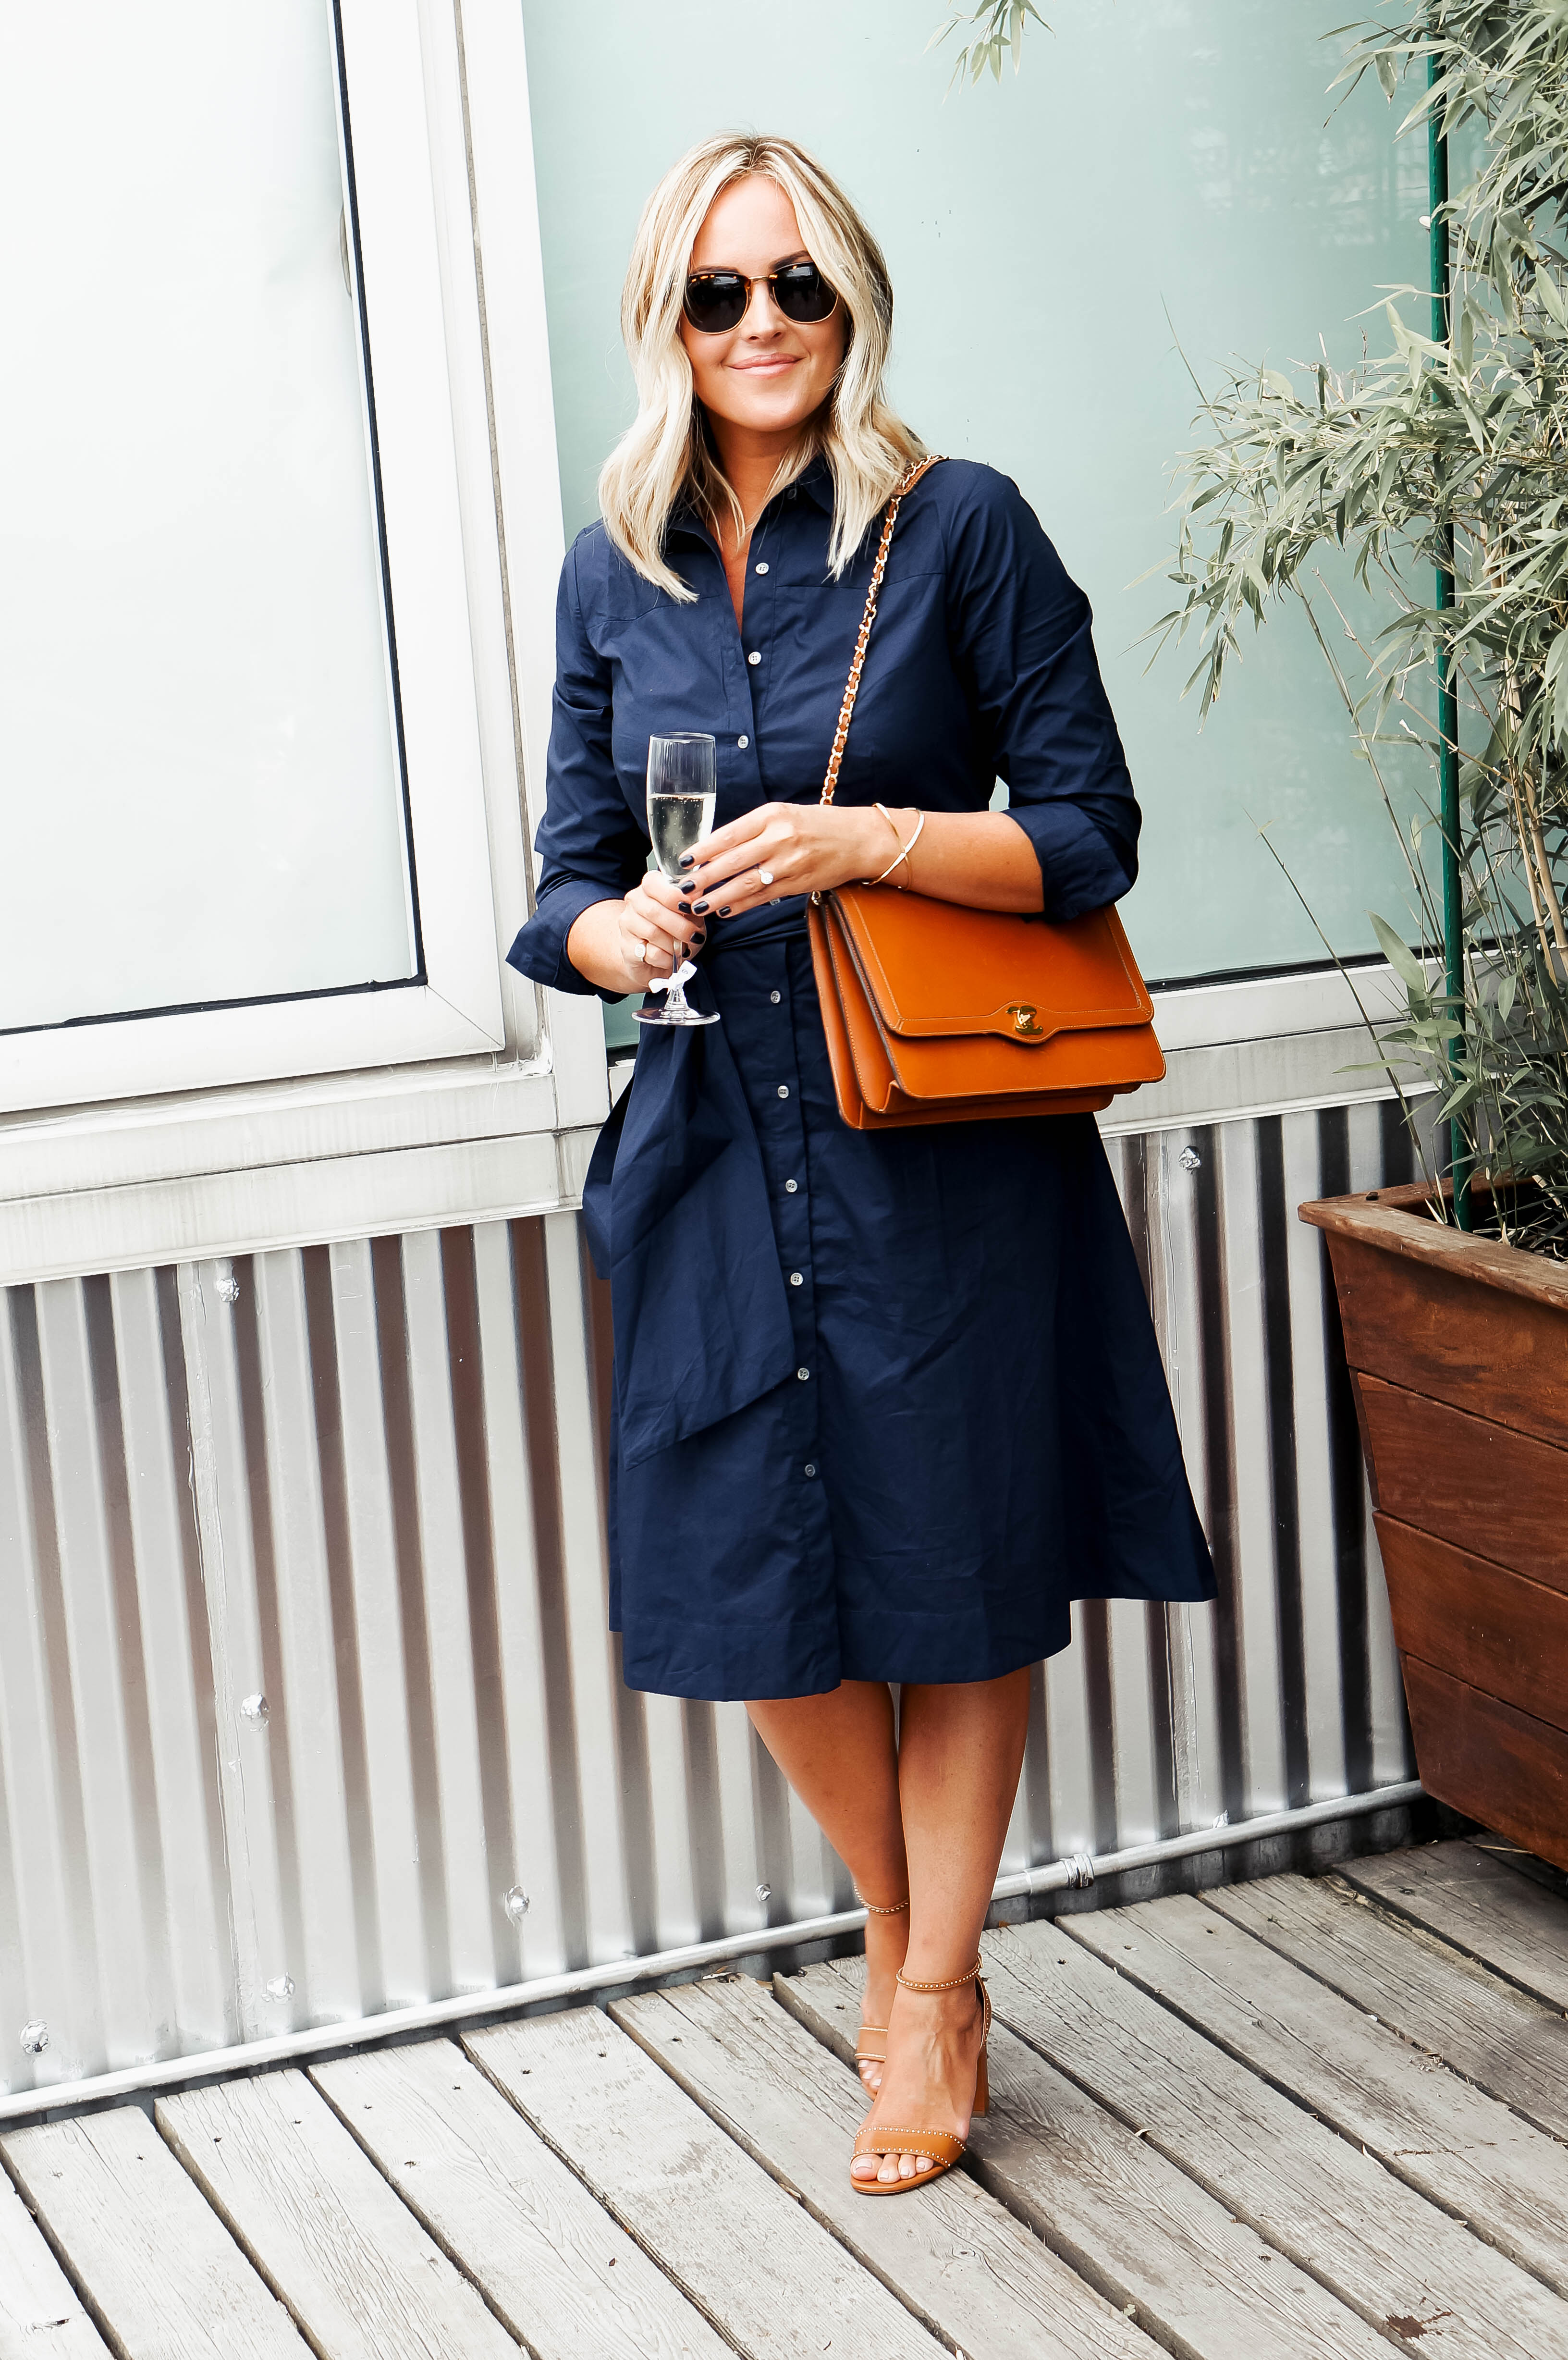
pixel 904 849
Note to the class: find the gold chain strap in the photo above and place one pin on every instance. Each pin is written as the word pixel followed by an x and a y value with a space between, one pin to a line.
pixel 852 685
pixel 953 1982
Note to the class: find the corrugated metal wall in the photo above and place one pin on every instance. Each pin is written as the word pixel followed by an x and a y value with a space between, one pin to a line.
pixel 305 1704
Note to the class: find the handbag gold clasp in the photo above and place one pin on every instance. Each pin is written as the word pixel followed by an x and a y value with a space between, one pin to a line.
pixel 1026 1018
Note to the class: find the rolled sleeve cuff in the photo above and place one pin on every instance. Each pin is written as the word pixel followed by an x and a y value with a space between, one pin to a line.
pixel 1079 865
pixel 540 949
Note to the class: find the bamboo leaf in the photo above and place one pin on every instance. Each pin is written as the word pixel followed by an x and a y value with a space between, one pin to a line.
pixel 1400 956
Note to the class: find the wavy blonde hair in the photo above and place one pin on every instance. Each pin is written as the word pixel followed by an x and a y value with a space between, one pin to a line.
pixel 665 452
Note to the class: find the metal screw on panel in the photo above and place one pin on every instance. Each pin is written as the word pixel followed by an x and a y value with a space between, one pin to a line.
pixel 1190 1160
pixel 254 1708
pixel 280 1987
pixel 35 2036
pixel 765 1892
pixel 227 1284
pixel 1080 1869
pixel 516 1903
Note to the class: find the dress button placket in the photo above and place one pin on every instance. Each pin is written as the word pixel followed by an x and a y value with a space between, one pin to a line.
pixel 784 1153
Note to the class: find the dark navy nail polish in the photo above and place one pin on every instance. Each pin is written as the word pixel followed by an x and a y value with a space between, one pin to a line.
pixel 687 858
pixel 698 907
pixel 685 909
pixel 725 910
pixel 699 938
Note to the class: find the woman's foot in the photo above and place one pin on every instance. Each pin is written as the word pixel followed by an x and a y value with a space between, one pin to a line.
pixel 887 1939
pixel 933 2056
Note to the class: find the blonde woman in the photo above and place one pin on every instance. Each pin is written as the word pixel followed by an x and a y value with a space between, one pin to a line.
pixel 885 1403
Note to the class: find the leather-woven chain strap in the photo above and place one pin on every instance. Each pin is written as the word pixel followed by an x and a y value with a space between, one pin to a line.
pixel 852 685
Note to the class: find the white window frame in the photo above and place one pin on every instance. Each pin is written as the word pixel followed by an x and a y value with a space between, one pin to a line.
pixel 472 1095
pixel 457 1010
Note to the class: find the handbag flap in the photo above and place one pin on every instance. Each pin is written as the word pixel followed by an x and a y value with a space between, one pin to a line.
pixel 934 968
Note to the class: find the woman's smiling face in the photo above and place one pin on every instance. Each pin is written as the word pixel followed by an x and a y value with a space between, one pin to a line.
pixel 769 375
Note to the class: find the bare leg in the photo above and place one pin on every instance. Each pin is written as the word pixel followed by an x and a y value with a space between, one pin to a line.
pixel 837 1752
pixel 961 1749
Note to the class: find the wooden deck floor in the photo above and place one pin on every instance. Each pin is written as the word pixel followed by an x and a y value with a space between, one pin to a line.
pixel 1292 2120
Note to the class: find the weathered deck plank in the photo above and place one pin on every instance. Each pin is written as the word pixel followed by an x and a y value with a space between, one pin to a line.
pixel 973 2273
pixel 1474 1900
pixel 558 2271
pixel 1446 2002
pixel 771 2279
pixel 1129 2222
pixel 1453 2143
pixel 165 2279
pixel 41 2316
pixel 1407 2267
pixel 343 2251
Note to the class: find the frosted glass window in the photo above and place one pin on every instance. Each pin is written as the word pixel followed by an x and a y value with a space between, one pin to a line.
pixel 1153 156
pixel 199 773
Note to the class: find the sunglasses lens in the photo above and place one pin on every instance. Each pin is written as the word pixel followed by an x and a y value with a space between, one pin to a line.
pixel 803 293
pixel 715 302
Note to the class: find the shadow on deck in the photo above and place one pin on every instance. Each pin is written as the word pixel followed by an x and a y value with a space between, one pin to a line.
pixel 1296 2119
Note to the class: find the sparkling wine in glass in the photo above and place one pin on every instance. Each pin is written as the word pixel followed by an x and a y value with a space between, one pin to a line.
pixel 682 789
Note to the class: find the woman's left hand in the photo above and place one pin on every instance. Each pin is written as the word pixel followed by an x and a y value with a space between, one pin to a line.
pixel 783 849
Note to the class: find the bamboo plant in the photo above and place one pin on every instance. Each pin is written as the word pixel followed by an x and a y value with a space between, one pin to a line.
pixel 1443 462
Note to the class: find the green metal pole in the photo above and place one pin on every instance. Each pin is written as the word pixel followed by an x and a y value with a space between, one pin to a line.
pixel 1447 702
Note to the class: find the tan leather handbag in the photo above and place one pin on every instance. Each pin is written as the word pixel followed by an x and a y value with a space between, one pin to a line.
pixel 938 1013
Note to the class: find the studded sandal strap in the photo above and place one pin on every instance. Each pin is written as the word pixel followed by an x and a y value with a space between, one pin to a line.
pixel 887 2139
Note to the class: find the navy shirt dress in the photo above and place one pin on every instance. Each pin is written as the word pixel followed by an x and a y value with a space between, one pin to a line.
pixel 885 1402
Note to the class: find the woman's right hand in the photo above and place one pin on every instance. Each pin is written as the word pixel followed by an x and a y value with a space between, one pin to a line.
pixel 617 945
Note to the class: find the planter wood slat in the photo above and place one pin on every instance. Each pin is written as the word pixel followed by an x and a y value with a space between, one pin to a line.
pixel 1486 1625
pixel 1422 1325
pixel 1445 1473
pixel 1483 1755
pixel 1458 1349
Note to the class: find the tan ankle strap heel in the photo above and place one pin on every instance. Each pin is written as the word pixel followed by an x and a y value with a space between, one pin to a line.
pixel 941 2149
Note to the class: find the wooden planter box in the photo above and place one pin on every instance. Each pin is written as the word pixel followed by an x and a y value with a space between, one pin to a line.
pixel 1458 1348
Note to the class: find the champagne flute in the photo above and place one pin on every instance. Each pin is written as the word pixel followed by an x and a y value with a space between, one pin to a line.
pixel 682 789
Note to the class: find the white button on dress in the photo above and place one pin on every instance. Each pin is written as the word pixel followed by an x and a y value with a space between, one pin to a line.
pixel 762 569
pixel 754 657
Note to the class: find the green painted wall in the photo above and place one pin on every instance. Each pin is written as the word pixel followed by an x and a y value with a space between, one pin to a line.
pixel 1154 157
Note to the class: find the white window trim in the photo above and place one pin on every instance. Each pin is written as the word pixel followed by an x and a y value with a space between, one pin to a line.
pixel 458 1009
pixel 155 1138
pixel 1265 1045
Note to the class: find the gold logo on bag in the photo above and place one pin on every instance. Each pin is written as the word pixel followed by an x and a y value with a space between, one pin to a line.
pixel 1024 1017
